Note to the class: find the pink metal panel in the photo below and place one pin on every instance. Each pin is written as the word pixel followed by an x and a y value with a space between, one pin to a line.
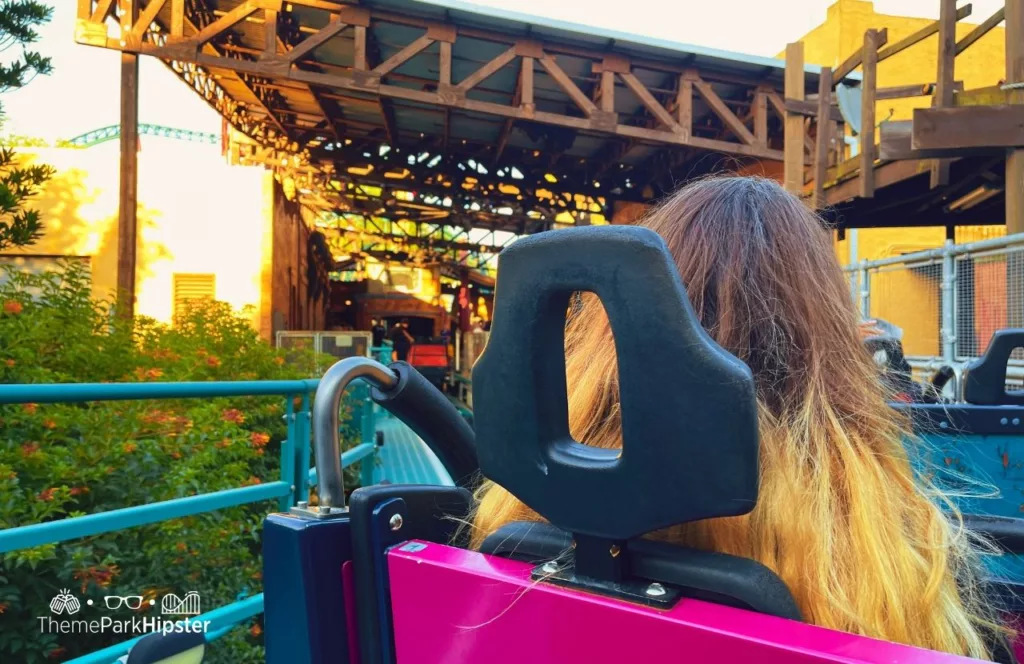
pixel 453 606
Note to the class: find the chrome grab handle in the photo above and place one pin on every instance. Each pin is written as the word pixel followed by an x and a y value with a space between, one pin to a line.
pixel 326 440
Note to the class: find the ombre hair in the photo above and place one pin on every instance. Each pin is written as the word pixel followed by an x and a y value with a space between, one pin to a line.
pixel 865 544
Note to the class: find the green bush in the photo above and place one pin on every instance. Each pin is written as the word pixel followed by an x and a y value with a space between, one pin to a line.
pixel 63 460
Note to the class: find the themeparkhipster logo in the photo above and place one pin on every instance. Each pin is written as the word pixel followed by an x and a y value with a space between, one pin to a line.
pixel 66 604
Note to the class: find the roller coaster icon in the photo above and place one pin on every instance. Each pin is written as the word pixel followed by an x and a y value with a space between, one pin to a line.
pixel 173 605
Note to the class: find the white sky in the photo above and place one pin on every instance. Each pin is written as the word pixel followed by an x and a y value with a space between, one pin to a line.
pixel 82 93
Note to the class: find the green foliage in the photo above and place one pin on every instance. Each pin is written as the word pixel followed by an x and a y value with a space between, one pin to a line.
pixel 62 460
pixel 19 19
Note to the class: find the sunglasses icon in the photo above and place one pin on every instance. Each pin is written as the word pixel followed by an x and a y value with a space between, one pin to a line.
pixel 133 602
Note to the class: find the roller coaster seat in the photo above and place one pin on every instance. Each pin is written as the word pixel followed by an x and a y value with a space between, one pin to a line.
pixel 390 579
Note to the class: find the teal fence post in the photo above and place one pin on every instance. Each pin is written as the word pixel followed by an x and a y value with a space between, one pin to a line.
pixel 366 468
pixel 302 449
pixel 288 454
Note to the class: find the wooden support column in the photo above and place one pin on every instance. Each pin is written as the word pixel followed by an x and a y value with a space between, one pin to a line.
pixel 944 79
pixel 793 148
pixel 868 84
pixel 127 208
pixel 1015 74
pixel 824 136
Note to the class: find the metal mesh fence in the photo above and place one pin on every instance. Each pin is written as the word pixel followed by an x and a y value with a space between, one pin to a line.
pixel 949 301
pixel 909 295
pixel 989 296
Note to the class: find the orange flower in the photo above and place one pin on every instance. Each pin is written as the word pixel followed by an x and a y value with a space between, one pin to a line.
pixel 129 447
pixel 46 494
pixel 223 444
pixel 49 424
pixel 3 607
pixel 255 630
pixel 252 481
pixel 154 373
pixel 29 449
pixel 258 451
pixel 256 576
pixel 259 439
pixel 175 454
pixel 11 363
pixel 12 307
pixel 30 408
pixel 278 361
pixel 56 653
pixel 233 415
pixel 181 546
pixel 78 490
pixel 213 361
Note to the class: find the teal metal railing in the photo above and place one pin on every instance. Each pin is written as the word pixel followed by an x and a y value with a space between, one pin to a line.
pixel 296 476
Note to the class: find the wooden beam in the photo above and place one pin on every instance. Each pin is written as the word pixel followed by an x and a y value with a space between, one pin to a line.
pixel 400 58
pixel 226 22
pixel 793 161
pixel 607 90
pixel 444 64
pixel 922 34
pixel 855 60
pixel 981 30
pixel 270 41
pixel 724 113
pixel 867 114
pixel 684 103
pixel 127 205
pixel 809 109
pixel 359 49
pixel 885 175
pixel 761 117
pixel 823 139
pixel 968 127
pixel 896 144
pixel 566 84
pixel 308 44
pixel 486 71
pixel 146 18
pixel 177 19
pixel 944 78
pixel 917 90
pixel 652 105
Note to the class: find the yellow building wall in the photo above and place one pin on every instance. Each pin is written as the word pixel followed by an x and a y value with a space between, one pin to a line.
pixel 196 214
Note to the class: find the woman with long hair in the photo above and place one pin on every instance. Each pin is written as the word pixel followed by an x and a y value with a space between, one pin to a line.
pixel 864 543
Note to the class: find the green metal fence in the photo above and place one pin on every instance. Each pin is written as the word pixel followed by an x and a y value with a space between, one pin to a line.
pixel 292 486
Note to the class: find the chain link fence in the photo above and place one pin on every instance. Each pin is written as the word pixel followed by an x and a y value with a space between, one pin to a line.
pixel 949 301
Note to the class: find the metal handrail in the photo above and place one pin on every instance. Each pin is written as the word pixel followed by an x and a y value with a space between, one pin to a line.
pixel 291 488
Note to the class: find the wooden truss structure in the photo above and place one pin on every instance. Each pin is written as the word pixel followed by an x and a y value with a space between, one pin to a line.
pixel 927 171
pixel 331 84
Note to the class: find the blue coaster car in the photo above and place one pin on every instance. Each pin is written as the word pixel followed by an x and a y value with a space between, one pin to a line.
pixel 389 578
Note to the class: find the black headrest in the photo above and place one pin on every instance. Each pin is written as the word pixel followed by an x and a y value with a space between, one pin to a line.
pixel 689 415
pixel 985 382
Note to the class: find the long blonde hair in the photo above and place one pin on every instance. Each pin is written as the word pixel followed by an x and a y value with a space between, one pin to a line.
pixel 842 518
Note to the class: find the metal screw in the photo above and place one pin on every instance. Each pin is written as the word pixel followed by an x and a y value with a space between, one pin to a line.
pixel 396 522
pixel 1016 421
pixel 549 568
pixel 303 504
pixel 655 590
pixel 1003 421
